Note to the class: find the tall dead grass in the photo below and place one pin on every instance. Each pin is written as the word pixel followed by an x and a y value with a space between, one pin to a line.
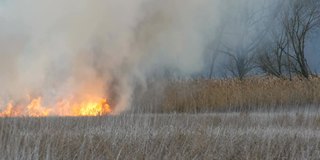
pixel 163 136
pixel 230 95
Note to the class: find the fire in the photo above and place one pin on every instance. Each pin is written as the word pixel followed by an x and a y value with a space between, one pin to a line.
pixel 34 109
pixel 92 108
pixel 8 111
pixel 89 106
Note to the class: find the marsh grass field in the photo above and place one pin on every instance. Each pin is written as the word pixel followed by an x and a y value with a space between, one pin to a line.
pixel 281 135
pixel 288 129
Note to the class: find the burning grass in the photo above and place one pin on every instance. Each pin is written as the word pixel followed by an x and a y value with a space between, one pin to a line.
pixel 89 106
pixel 189 96
pixel 164 136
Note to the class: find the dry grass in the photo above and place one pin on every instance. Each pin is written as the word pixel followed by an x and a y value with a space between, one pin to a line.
pixel 230 95
pixel 163 136
pixel 262 120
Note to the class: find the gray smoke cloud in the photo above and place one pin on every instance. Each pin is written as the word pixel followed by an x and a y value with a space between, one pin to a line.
pixel 103 47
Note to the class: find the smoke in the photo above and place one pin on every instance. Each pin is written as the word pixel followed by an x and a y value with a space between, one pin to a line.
pixel 71 48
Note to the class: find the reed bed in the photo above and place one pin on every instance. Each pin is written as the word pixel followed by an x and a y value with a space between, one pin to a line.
pixel 229 95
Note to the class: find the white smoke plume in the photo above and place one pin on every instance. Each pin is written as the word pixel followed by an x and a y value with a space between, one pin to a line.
pixel 102 47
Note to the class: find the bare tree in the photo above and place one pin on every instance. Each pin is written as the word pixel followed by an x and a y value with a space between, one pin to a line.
pixel 272 58
pixel 301 19
pixel 285 52
pixel 247 33
pixel 240 65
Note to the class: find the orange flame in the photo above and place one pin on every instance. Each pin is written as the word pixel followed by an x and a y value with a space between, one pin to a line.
pixel 34 109
pixel 90 106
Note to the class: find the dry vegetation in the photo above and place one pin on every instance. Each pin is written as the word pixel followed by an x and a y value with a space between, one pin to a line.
pixel 258 119
pixel 230 95
pixel 164 136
